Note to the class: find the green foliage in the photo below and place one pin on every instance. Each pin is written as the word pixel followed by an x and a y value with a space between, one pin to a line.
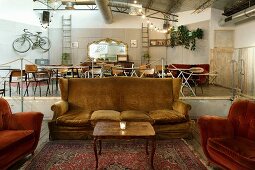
pixel 65 58
pixel 147 57
pixel 183 36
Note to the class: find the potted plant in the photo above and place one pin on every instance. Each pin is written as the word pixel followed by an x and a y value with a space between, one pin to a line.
pixel 65 58
pixel 147 57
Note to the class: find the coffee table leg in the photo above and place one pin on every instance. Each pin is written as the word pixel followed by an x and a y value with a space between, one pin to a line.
pixel 100 146
pixel 147 152
pixel 153 151
pixel 95 151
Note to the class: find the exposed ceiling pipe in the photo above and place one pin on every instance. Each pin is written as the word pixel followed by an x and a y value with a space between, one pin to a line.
pixel 79 2
pixel 105 10
pixel 124 4
pixel 238 17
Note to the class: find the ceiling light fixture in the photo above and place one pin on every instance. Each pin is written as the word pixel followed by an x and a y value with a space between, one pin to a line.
pixel 166 25
pixel 135 9
pixel 69 6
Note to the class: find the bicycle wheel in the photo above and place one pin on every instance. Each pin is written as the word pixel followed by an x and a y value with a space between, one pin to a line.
pixel 44 43
pixel 21 45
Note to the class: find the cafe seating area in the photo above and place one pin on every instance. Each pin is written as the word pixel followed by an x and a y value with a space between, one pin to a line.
pixel 127 84
pixel 43 80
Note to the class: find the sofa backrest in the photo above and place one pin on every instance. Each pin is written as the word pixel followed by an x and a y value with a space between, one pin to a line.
pixel 120 93
pixel 242 116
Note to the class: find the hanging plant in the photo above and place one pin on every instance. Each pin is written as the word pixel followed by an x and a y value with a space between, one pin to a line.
pixel 182 36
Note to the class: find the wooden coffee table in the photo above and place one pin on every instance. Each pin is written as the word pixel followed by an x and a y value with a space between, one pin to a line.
pixel 134 130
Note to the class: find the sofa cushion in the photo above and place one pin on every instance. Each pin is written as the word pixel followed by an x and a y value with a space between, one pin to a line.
pixel 9 139
pixel 242 150
pixel 105 115
pixel 75 118
pixel 135 115
pixel 165 116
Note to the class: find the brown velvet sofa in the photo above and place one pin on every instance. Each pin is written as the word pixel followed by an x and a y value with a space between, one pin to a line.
pixel 86 101
pixel 19 134
pixel 230 142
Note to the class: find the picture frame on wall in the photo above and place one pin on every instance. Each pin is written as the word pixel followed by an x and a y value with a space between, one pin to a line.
pixel 153 42
pixel 158 42
pixel 75 44
pixel 133 43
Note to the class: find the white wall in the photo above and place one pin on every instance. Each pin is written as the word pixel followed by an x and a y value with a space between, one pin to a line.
pixel 181 55
pixel 21 15
pixel 19 11
pixel 15 16
pixel 9 31
pixel 94 19
pixel 216 16
pixel 245 35
pixel 188 17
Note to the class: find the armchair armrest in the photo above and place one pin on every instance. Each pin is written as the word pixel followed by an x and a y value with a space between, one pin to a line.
pixel 59 108
pixel 214 126
pixel 181 107
pixel 26 121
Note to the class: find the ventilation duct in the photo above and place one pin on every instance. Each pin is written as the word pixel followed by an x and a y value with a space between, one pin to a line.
pixel 79 2
pixel 124 4
pixel 105 10
pixel 135 9
pixel 238 17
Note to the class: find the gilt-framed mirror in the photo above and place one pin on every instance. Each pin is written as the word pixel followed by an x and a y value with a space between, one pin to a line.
pixel 107 50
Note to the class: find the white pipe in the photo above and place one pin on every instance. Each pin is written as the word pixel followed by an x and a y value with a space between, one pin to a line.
pixel 105 10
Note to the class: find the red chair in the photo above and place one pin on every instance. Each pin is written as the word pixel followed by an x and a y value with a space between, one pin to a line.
pixel 19 134
pixel 230 142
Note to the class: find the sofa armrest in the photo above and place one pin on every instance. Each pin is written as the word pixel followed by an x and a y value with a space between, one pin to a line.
pixel 26 121
pixel 214 127
pixel 59 108
pixel 181 107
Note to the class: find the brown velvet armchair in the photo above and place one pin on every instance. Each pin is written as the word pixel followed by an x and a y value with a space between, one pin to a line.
pixel 230 142
pixel 19 134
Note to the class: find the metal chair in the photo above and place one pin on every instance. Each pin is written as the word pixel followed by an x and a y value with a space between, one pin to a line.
pixel 37 77
pixel 16 77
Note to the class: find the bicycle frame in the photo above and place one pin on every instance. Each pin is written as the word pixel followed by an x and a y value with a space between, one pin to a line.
pixel 27 36
pixel 29 40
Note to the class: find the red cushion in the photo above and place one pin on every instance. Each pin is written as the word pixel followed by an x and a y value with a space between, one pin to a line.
pixel 10 139
pixel 238 149
pixel 1 121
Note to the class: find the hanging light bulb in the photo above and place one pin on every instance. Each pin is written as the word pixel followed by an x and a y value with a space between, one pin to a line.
pixel 143 16
pixel 135 2
pixel 148 21
pixel 151 25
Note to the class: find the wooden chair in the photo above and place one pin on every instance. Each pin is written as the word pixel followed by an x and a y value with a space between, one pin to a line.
pixel 145 71
pixel 2 90
pixel 117 71
pixel 15 78
pixel 107 70
pixel 37 77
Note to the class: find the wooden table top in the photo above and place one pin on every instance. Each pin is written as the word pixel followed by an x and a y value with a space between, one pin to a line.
pixel 133 129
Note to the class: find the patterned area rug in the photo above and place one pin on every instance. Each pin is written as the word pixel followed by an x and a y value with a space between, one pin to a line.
pixel 116 155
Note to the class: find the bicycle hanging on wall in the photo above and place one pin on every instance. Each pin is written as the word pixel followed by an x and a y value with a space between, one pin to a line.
pixel 29 40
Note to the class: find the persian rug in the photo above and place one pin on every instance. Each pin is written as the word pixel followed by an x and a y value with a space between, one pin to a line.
pixel 116 155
